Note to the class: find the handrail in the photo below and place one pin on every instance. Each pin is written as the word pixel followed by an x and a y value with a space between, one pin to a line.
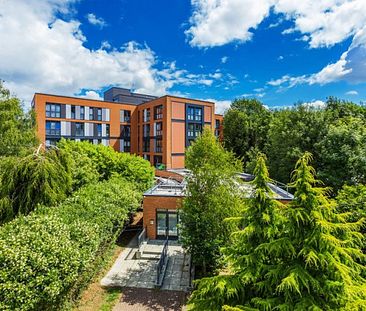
pixel 141 238
pixel 161 263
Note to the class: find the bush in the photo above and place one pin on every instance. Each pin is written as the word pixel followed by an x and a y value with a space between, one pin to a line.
pixel 47 256
pixel 42 177
pixel 106 161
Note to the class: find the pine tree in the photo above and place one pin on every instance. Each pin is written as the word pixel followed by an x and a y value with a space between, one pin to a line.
pixel 323 269
pixel 247 262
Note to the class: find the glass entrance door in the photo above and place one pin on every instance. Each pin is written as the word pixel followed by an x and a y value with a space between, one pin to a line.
pixel 166 224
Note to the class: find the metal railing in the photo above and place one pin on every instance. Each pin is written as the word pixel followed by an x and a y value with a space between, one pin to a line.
pixel 161 265
pixel 141 238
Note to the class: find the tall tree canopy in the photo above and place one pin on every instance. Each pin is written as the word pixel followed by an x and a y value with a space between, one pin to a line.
pixel 211 197
pixel 17 128
pixel 245 126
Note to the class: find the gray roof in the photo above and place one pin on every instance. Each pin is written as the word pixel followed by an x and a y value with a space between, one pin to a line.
pixel 173 188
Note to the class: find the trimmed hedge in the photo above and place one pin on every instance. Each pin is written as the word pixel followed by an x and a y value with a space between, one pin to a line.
pixel 47 256
pixel 106 161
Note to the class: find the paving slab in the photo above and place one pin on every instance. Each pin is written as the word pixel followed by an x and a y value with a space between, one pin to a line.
pixel 141 273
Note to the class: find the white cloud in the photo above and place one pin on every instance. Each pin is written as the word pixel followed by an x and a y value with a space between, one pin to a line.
pixel 52 58
pixel 224 59
pixel 280 57
pixel 220 105
pixel 92 95
pixel 105 45
pixel 325 22
pixel 217 22
pixel 316 104
pixel 351 92
pixel 321 23
pixel 96 21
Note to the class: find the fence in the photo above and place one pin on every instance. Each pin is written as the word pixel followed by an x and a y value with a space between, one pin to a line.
pixel 161 265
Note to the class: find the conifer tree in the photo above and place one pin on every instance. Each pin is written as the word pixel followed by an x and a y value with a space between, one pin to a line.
pixel 323 269
pixel 247 263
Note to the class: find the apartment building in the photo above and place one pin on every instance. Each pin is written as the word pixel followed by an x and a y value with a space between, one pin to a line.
pixel 156 128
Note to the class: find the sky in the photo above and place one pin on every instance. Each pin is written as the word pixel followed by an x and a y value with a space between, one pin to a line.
pixel 278 51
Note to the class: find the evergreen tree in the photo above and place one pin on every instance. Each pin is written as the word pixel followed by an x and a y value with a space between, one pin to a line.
pixel 246 260
pixel 322 271
pixel 210 199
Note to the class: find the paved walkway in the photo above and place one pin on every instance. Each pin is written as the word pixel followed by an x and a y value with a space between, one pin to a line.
pixel 141 273
pixel 142 299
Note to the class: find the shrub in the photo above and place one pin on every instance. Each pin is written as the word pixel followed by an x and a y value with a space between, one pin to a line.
pixel 42 177
pixel 106 161
pixel 47 256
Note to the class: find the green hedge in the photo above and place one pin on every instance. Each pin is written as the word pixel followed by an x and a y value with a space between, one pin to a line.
pixel 106 161
pixel 47 256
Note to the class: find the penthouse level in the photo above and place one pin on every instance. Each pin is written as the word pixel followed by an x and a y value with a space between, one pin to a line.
pixel 156 128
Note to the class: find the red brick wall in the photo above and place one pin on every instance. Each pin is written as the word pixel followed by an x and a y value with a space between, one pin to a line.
pixel 150 205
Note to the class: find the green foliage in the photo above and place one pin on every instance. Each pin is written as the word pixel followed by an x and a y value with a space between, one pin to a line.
pixel 292 132
pixel 105 162
pixel 211 197
pixel 307 260
pixel 342 153
pixel 246 255
pixel 246 126
pixel 17 128
pixel 47 256
pixel 39 178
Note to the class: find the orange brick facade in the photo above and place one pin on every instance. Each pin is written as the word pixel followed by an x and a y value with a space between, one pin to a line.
pixel 159 140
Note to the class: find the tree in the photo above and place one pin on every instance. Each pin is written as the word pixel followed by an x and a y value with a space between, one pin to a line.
pixel 321 269
pixel 211 197
pixel 292 132
pixel 17 128
pixel 342 153
pixel 246 260
pixel 246 126
pixel 42 177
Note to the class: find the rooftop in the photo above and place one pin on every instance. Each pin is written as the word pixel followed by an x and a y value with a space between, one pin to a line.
pixel 172 188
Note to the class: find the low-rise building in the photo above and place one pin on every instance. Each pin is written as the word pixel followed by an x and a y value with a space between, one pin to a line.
pixel 156 128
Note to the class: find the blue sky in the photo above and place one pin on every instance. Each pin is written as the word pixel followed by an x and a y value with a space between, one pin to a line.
pixel 278 51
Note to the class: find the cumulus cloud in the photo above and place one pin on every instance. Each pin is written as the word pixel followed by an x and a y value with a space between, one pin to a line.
pixel 321 23
pixel 220 105
pixel 316 104
pixel 45 52
pixel 96 21
pixel 217 22
pixel 224 59
pixel 351 92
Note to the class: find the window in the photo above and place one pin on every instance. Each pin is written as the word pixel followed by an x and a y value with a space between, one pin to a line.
pixel 217 124
pixel 91 113
pixel 53 110
pixel 52 142
pixel 158 112
pixel 82 113
pixel 146 145
pixel 194 130
pixel 53 128
pixel 158 145
pixel 146 130
pixel 107 130
pixel 194 113
pixel 99 114
pixel 125 116
pixel 79 129
pixel 147 157
pixel 158 160
pixel 99 130
pixel 72 112
pixel 125 131
pixel 147 115
pixel 159 129
pixel 127 145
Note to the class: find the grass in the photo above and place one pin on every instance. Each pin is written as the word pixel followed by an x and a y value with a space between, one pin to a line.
pixel 95 297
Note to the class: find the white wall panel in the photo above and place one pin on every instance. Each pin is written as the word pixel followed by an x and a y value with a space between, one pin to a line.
pixel 86 110
pixel 63 128
pixel 68 111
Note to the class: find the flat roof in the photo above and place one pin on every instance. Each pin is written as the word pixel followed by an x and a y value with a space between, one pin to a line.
pixel 173 188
